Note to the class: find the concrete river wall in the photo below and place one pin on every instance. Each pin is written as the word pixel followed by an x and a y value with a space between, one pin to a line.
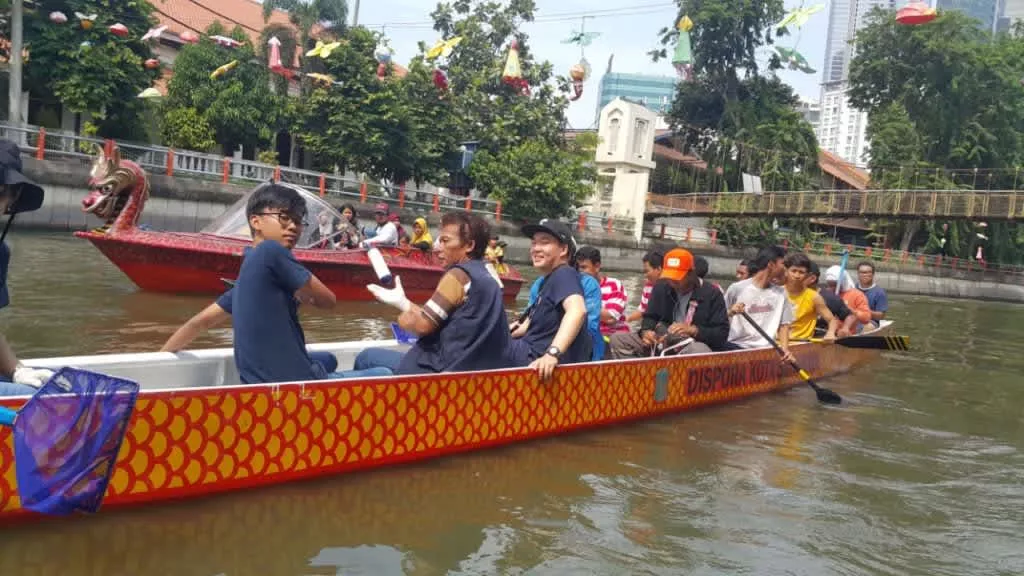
pixel 187 205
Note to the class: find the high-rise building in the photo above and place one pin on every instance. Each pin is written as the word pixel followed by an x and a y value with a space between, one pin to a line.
pixel 986 12
pixel 653 92
pixel 841 129
pixel 1010 11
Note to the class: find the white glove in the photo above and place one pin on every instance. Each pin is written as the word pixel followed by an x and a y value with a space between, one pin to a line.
pixel 393 296
pixel 34 377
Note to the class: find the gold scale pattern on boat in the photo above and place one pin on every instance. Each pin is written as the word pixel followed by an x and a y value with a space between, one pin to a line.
pixel 197 441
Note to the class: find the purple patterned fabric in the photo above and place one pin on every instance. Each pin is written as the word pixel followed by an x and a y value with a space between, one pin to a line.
pixel 66 440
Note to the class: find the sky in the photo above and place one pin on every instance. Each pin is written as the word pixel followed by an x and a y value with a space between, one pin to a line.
pixel 628 30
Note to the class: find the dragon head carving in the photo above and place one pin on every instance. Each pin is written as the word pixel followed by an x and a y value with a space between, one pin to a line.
pixel 117 190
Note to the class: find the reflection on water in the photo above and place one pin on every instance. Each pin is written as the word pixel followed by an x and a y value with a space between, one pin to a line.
pixel 918 473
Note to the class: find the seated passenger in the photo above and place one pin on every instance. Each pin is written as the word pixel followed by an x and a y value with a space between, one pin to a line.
pixel 853 298
pixel 348 235
pixel 495 254
pixel 652 262
pixel 683 304
pixel 326 234
pixel 702 267
pixel 463 326
pixel 613 294
pixel 552 331
pixel 878 301
pixel 763 299
pixel 592 300
pixel 269 343
pixel 386 233
pixel 838 308
pixel 808 305
pixel 421 235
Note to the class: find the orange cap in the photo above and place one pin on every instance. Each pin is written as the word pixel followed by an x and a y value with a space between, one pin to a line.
pixel 677 264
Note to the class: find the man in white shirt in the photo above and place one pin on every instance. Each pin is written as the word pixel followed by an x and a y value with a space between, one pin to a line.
pixel 763 298
pixel 387 232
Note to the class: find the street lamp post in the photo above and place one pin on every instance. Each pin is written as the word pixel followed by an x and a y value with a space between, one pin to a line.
pixel 14 65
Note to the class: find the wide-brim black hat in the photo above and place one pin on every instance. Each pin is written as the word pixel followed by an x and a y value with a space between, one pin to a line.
pixel 30 194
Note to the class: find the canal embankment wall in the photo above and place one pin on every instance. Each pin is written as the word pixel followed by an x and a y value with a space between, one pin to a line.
pixel 188 205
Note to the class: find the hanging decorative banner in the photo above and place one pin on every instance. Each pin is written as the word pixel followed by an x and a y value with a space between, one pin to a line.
pixel 440 80
pixel 443 48
pixel 223 70
pixel 682 59
pixel 153 33
pixel 322 79
pixel 119 30
pixel 793 60
pixel 152 64
pixel 85 20
pixel 512 75
pixel 226 42
pixel 579 74
pixel 58 17
pixel 915 13
pixel 382 70
pixel 322 50
pixel 189 37
pixel 274 57
pixel 797 18
pixel 150 93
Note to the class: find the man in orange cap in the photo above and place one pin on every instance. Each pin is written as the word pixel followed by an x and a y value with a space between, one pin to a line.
pixel 681 307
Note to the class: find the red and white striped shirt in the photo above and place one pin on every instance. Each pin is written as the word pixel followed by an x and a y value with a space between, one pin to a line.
pixel 645 296
pixel 613 299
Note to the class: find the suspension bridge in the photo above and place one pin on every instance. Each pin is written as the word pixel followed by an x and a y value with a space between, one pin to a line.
pixel 894 204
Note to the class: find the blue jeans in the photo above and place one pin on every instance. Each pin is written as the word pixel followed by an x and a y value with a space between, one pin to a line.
pixel 330 364
pixel 12 389
pixel 378 358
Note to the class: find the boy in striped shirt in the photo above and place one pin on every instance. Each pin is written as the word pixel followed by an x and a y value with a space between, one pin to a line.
pixel 613 295
pixel 652 271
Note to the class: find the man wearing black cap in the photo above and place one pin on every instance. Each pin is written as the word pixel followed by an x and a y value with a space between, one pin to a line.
pixel 551 330
pixel 17 194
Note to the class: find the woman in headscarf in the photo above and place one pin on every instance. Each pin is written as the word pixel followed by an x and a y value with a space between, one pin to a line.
pixel 348 235
pixel 854 299
pixel 421 235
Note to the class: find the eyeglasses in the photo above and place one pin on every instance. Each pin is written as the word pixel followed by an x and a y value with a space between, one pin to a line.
pixel 285 219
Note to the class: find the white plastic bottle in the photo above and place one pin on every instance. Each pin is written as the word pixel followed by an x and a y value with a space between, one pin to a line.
pixel 380 267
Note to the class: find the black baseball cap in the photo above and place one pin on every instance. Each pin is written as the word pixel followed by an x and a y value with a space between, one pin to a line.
pixel 30 195
pixel 556 228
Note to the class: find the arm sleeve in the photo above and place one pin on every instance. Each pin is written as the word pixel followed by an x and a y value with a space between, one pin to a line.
pixel 615 303
pixel 716 332
pixel 787 312
pixel 563 284
pixel 286 270
pixel 659 307
pixel 450 294
pixel 224 300
pixel 883 301
pixel 386 235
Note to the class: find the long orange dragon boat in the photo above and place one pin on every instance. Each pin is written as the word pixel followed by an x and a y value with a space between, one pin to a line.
pixel 187 262
pixel 195 431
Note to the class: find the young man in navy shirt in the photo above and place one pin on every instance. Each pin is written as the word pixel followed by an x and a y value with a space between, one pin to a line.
pixel 552 331
pixel 269 343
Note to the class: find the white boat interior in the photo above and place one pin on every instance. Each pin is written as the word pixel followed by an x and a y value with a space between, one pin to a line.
pixel 192 368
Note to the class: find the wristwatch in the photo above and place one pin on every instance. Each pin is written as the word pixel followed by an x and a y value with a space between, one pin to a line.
pixel 554 351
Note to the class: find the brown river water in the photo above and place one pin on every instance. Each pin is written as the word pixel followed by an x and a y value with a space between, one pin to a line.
pixel 919 472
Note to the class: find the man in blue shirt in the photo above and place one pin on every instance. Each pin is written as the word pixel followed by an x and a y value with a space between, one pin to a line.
pixel 553 328
pixel 269 343
pixel 878 301
pixel 17 194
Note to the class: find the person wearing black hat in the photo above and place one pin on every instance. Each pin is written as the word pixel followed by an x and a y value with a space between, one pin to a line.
pixel 17 194
pixel 550 331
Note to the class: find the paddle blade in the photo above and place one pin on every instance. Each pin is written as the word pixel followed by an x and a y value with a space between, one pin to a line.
pixel 900 343
pixel 66 439
pixel 825 395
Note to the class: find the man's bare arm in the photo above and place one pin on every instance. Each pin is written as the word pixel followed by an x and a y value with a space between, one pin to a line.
pixel 211 316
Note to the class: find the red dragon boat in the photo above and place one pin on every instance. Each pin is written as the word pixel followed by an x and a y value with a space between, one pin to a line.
pixel 199 262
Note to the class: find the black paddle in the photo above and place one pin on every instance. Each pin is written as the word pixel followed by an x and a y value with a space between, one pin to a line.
pixel 825 395
pixel 899 343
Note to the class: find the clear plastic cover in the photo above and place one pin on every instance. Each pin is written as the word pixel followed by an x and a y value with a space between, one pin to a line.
pixel 322 219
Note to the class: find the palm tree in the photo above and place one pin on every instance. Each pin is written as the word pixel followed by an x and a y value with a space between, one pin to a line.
pixel 330 15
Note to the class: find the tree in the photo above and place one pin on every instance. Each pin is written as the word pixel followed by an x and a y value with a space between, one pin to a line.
pixel 239 106
pixel 92 71
pixel 533 179
pixel 943 97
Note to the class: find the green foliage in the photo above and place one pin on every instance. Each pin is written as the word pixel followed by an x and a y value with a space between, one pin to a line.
pixel 941 97
pixel 534 179
pixel 239 106
pixel 187 128
pixel 102 77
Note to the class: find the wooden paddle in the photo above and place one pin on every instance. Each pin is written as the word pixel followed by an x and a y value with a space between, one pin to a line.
pixel 899 343
pixel 825 395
